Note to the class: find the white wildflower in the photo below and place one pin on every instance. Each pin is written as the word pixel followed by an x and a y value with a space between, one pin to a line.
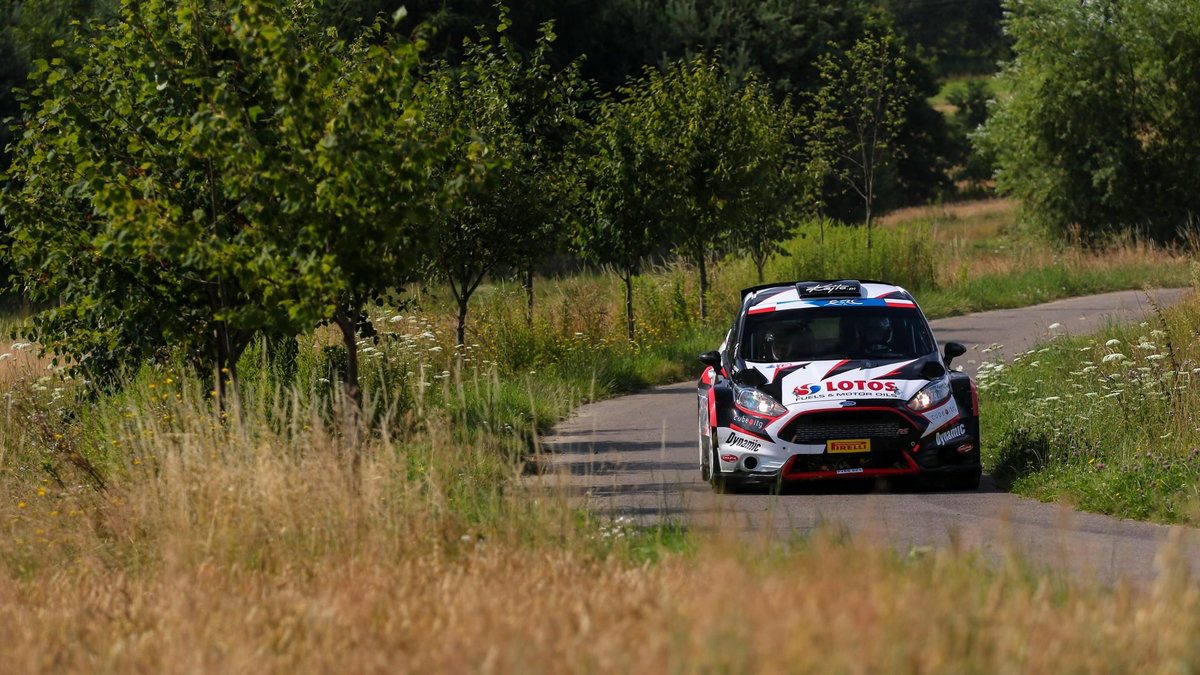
pixel 6 355
pixel 1115 356
pixel 1112 343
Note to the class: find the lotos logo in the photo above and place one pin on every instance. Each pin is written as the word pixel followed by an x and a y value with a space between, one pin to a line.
pixel 863 385
pixel 806 389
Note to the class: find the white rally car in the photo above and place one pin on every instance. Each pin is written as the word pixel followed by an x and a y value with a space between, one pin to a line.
pixel 835 379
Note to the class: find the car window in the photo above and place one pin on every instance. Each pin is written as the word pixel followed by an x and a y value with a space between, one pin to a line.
pixel 827 333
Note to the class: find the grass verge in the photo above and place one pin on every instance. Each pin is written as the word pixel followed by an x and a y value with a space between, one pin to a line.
pixel 1106 422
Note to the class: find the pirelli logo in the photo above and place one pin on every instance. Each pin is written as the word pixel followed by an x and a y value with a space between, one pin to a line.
pixel 855 445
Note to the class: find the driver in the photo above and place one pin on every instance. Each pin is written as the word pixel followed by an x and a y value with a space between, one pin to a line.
pixel 875 335
pixel 792 344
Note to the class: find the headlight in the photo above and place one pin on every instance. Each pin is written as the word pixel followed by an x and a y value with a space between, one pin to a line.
pixel 933 394
pixel 756 401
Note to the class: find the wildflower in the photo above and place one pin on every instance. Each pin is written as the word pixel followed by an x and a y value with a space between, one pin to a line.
pixel 396 319
pixel 21 345
pixel 20 505
pixel 1054 326
pixel 1146 345
pixel 6 355
pixel 1052 398
pixel 1112 343
pixel 1115 356
pixel 1155 357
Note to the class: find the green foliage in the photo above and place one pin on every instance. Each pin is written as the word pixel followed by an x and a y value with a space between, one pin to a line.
pixel 522 116
pixel 858 112
pixel 1108 421
pixel 1098 132
pixel 962 37
pixel 971 101
pixel 212 170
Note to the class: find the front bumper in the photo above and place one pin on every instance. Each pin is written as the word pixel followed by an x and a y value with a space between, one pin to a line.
pixel 798 449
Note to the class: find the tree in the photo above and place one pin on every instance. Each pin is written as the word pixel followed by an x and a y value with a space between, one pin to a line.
pixel 1097 131
pixel 522 112
pixel 971 105
pixel 963 37
pixel 628 173
pixel 731 148
pixel 211 170
pixel 858 112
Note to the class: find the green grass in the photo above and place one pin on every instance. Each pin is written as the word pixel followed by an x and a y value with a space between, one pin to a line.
pixel 1044 284
pixel 1108 422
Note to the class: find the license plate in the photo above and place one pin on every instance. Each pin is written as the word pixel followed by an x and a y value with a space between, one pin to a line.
pixel 854 445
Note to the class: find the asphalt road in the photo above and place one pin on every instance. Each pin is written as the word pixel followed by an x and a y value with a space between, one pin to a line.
pixel 636 456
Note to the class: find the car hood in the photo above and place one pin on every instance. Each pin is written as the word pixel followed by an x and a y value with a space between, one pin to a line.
pixel 816 382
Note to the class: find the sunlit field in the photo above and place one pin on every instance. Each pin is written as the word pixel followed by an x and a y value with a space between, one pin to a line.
pixel 147 529
pixel 269 542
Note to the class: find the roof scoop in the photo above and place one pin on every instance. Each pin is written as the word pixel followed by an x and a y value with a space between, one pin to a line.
pixel 848 288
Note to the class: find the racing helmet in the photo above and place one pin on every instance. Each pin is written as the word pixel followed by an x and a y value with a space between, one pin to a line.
pixel 873 330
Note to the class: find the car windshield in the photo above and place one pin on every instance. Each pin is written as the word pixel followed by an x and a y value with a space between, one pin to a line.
pixel 827 333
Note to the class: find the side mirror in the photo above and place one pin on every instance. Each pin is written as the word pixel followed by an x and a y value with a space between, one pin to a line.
pixel 749 378
pixel 953 350
pixel 932 370
pixel 712 358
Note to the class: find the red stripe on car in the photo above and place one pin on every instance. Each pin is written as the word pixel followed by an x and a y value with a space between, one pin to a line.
pixel 839 365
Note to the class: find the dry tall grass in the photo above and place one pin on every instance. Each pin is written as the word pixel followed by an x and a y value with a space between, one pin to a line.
pixel 231 548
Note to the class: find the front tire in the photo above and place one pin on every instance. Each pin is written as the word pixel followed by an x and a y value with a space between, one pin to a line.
pixel 707 457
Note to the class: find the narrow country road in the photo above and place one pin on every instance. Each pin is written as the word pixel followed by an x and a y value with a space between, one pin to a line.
pixel 636 456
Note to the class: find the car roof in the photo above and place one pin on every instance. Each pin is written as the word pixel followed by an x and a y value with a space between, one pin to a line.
pixel 824 293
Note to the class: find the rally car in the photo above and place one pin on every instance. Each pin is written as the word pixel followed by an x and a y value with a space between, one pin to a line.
pixel 835 379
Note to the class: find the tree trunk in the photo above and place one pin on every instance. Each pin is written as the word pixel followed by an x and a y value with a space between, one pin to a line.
pixel 868 225
pixel 628 279
pixel 528 284
pixel 760 261
pixel 460 332
pixel 343 316
pixel 226 352
pixel 703 283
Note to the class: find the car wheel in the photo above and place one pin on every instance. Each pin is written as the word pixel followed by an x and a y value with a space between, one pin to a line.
pixel 704 435
pixel 716 478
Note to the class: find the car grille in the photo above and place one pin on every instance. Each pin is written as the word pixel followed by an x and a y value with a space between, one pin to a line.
pixel 820 427
pixel 891 434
